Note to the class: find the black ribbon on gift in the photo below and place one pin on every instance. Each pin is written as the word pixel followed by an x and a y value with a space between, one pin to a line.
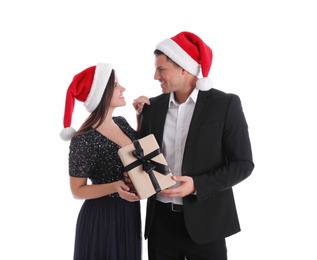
pixel 148 164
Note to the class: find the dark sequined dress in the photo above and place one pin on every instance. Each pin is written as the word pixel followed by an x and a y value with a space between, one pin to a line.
pixel 108 228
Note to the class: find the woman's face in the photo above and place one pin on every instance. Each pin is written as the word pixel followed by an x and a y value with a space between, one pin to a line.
pixel 117 99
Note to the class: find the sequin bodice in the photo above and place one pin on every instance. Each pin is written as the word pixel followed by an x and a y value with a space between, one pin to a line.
pixel 94 156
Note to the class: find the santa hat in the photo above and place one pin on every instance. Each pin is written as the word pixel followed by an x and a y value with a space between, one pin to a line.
pixel 191 53
pixel 87 86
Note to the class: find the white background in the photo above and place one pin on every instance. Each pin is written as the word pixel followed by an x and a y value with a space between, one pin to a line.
pixel 264 51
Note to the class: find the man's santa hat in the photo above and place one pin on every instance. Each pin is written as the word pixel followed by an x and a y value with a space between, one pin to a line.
pixel 191 53
pixel 87 86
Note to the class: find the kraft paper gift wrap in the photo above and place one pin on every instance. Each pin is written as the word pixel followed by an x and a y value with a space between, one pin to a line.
pixel 146 166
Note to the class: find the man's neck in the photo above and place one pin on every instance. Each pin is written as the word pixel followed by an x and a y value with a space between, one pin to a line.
pixel 181 96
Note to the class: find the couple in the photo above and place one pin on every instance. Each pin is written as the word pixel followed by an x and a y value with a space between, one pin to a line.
pixel 203 135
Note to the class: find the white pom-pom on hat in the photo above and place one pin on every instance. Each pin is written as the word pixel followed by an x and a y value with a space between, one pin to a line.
pixel 87 86
pixel 191 53
pixel 204 84
pixel 67 133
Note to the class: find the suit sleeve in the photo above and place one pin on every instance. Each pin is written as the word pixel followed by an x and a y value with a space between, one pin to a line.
pixel 237 163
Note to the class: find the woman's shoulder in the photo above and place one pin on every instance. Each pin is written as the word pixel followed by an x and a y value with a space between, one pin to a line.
pixel 124 125
pixel 84 139
pixel 120 120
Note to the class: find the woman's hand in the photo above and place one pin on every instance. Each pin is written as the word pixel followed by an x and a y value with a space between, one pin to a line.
pixel 139 103
pixel 125 192
pixel 128 182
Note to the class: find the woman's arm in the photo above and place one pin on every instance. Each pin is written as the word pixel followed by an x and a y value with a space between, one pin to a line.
pixel 81 190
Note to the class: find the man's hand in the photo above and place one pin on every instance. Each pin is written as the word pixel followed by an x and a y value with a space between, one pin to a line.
pixel 185 188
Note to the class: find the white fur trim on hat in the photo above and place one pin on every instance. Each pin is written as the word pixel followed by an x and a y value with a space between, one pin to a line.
pixel 179 56
pixel 101 77
pixel 67 133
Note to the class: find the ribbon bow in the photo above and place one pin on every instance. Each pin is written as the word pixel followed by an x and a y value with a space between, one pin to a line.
pixel 148 164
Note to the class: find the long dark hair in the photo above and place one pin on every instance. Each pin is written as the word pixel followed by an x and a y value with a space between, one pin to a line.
pixel 99 114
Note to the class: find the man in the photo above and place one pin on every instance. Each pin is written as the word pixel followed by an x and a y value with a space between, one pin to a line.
pixel 204 137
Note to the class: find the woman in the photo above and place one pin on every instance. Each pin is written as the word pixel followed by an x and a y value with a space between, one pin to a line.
pixel 109 222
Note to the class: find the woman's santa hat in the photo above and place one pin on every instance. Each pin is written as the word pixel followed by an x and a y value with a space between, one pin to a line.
pixel 191 53
pixel 87 86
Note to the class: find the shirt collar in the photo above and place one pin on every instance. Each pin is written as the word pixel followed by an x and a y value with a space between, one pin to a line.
pixel 192 97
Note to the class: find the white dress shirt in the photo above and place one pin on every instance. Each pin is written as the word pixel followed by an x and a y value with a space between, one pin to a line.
pixel 176 127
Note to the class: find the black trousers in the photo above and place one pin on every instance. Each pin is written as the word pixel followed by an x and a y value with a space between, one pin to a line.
pixel 169 239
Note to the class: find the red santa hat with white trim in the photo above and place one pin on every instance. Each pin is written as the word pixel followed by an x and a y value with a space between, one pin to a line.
pixel 192 54
pixel 87 86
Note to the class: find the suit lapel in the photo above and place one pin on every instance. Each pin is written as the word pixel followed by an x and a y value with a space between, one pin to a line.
pixel 202 104
pixel 159 120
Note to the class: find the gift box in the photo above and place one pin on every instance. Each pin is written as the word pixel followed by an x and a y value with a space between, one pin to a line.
pixel 146 166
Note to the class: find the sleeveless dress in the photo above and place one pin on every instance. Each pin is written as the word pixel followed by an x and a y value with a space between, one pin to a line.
pixel 108 228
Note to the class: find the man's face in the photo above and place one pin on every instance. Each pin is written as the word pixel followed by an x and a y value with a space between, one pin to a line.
pixel 168 74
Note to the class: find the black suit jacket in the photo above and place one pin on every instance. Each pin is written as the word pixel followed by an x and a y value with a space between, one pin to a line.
pixel 217 156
